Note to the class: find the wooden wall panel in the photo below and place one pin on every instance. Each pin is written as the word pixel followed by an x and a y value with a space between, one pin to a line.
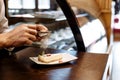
pixel 99 9
pixel 104 5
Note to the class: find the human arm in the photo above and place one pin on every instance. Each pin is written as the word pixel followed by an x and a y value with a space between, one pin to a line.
pixel 24 34
pixel 20 35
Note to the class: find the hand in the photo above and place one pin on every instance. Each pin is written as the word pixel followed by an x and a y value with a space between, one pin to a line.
pixel 41 28
pixel 22 34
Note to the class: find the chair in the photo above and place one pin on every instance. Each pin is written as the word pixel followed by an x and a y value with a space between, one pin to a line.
pixel 100 9
pixel 102 12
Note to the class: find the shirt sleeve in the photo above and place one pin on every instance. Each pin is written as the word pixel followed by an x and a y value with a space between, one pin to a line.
pixel 3 19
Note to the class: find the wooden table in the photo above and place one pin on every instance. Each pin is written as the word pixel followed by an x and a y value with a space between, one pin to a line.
pixel 88 66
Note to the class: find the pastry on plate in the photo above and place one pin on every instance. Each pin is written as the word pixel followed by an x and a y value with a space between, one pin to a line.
pixel 49 57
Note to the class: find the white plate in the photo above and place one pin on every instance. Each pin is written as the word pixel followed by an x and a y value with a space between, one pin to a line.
pixel 66 58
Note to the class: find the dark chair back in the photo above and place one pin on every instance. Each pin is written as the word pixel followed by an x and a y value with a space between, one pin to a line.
pixel 73 23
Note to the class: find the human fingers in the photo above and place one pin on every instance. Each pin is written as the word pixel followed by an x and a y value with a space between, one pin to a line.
pixel 32 26
pixel 30 36
pixel 41 28
pixel 32 31
pixel 28 42
pixel 23 41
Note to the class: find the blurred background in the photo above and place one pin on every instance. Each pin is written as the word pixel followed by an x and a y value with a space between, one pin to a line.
pixel 48 12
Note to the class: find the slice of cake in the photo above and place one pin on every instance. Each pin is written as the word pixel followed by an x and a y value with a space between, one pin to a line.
pixel 49 57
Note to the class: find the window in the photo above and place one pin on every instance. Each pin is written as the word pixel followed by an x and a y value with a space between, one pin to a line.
pixel 44 4
pixel 21 4
pixel 27 6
